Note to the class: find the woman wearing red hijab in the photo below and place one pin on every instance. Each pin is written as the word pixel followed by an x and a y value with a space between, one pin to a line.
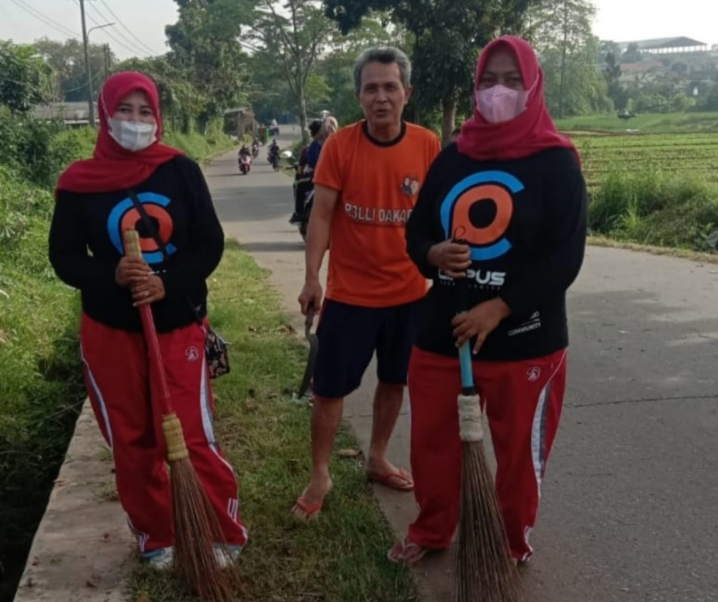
pixel 182 242
pixel 511 191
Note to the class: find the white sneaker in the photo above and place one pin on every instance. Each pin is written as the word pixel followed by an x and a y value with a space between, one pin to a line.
pixel 226 555
pixel 161 560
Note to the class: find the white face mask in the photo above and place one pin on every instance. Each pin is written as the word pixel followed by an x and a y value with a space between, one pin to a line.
pixel 133 136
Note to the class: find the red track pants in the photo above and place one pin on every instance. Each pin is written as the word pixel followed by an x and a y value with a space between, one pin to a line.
pixel 523 403
pixel 118 382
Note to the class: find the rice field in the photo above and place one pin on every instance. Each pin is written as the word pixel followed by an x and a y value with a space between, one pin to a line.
pixel 692 155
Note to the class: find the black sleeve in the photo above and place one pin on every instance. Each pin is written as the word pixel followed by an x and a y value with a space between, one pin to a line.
pixel 68 248
pixel 206 247
pixel 421 229
pixel 551 272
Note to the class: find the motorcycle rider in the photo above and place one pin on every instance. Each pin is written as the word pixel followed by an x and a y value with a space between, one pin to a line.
pixel 274 154
pixel 244 155
pixel 304 181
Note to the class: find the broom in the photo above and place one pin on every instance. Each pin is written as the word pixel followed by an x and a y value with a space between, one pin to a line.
pixel 485 571
pixel 197 527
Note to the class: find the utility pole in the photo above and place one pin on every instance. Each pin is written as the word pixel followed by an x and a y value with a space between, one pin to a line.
pixel 90 100
pixel 107 62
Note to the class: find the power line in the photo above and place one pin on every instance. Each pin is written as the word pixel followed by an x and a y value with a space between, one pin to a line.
pixel 42 18
pixel 101 15
pixel 114 16
pixel 107 33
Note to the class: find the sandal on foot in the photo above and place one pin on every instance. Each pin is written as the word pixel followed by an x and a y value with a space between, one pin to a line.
pixel 310 510
pixel 398 479
pixel 406 552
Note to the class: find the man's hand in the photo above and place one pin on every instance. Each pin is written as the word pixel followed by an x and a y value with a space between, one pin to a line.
pixel 311 296
pixel 151 291
pixel 451 258
pixel 479 322
pixel 131 271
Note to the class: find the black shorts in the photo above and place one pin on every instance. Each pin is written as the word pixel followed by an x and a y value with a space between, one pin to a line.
pixel 348 337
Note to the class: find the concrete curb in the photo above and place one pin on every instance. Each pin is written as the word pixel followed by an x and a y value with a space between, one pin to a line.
pixel 81 550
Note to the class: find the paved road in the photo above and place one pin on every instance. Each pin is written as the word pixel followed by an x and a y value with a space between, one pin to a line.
pixel 630 502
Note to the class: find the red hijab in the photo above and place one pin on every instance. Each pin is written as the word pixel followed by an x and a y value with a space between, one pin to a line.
pixel 527 134
pixel 112 167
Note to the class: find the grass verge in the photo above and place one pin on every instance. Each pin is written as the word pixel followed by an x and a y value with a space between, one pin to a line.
pixel 41 388
pixel 341 557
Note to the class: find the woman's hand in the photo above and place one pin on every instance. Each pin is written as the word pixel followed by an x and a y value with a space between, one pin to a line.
pixel 451 258
pixel 479 322
pixel 151 291
pixel 132 271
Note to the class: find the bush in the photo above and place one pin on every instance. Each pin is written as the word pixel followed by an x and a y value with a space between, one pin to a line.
pixel 196 145
pixel 40 372
pixel 652 207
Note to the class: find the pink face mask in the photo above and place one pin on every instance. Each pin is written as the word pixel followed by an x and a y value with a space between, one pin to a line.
pixel 499 103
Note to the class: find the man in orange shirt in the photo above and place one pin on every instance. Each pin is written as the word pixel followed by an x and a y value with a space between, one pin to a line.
pixel 366 184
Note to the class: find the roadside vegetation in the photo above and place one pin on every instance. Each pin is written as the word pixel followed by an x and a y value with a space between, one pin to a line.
pixel 340 556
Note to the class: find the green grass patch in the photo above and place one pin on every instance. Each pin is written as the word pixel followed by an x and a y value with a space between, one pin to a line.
pixel 657 208
pixel 690 156
pixel 41 387
pixel 340 557
pixel 658 123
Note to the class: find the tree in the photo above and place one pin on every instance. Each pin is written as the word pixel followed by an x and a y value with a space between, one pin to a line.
pixel 633 54
pixel 293 34
pixel 206 51
pixel 337 67
pixel 612 73
pixel 24 77
pixel 67 60
pixel 568 50
pixel 179 99
pixel 446 38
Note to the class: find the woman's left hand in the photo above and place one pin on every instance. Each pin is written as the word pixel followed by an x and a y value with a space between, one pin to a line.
pixel 148 292
pixel 479 322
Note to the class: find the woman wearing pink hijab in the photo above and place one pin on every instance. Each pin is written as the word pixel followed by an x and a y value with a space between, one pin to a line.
pixel 503 212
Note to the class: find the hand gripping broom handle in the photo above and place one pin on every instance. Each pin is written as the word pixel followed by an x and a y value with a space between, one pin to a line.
pixel 176 448
pixel 470 424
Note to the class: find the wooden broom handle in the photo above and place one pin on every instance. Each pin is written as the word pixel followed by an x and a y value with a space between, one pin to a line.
pixel 132 244
pixel 133 249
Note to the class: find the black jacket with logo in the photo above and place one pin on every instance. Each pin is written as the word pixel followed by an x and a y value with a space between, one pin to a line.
pixel 525 221
pixel 86 245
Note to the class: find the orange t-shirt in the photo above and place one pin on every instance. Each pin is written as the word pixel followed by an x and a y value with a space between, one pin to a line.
pixel 379 185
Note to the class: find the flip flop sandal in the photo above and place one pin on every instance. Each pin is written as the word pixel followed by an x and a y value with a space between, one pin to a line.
pixel 310 510
pixel 398 554
pixel 388 479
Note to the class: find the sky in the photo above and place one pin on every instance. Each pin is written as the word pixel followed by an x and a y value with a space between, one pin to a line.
pixel 139 29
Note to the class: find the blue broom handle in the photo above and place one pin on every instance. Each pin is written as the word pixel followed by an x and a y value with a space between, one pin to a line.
pixel 467 373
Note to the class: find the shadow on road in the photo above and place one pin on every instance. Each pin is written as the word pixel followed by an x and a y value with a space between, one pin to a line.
pixel 274 246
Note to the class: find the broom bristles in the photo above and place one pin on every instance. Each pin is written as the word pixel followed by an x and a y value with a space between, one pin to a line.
pixel 485 571
pixel 197 532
